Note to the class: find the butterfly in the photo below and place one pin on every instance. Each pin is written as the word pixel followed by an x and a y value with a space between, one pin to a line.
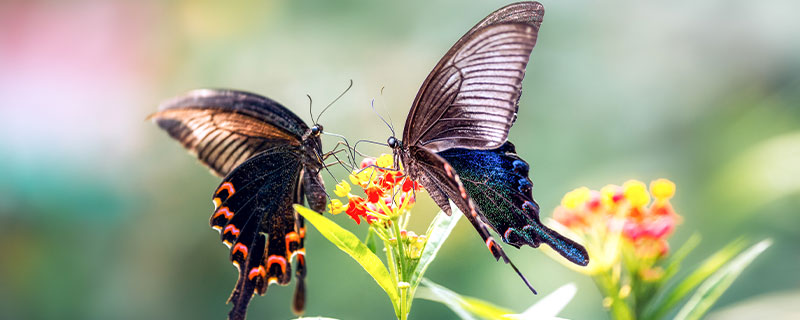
pixel 455 140
pixel 270 159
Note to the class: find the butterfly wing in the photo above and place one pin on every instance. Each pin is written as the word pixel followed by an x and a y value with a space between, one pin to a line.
pixel 434 173
pixel 226 127
pixel 497 181
pixel 256 220
pixel 470 98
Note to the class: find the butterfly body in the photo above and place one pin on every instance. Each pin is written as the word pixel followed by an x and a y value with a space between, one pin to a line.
pixel 455 139
pixel 269 160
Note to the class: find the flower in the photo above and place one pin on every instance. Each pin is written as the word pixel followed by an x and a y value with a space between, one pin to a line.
pixel 342 189
pixel 619 220
pixel 356 208
pixel 336 206
pixel 388 193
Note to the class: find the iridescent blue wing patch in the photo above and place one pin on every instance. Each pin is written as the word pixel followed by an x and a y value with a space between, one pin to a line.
pixel 497 181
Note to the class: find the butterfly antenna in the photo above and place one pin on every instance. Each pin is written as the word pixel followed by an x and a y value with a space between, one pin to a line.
pixel 388 114
pixel 337 99
pixel 355 146
pixel 382 119
pixel 310 103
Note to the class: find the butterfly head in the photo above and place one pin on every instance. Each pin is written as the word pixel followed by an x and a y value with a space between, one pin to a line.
pixel 316 130
pixel 394 143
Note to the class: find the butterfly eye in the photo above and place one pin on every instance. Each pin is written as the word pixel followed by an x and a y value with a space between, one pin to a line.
pixel 393 142
pixel 316 129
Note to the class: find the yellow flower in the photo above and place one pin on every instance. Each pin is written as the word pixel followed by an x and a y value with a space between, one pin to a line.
pixel 636 193
pixel 607 195
pixel 662 189
pixel 363 178
pixel 385 161
pixel 342 189
pixel 336 206
pixel 575 198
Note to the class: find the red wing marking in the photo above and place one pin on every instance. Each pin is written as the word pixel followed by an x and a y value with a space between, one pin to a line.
pixel 240 247
pixel 277 259
pixel 223 211
pixel 232 229
pixel 227 186
pixel 301 251
pixel 291 237
pixel 448 170
pixel 463 192
pixel 257 272
pixel 507 233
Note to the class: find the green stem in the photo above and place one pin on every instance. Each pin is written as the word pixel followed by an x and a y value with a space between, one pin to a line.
pixel 401 255
pixel 611 289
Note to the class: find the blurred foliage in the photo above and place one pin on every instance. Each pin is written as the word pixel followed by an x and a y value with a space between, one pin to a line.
pixel 104 216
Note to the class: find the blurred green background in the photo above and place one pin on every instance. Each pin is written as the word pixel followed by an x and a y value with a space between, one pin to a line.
pixel 105 217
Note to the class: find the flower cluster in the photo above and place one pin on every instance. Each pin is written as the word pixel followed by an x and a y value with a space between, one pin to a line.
pixel 388 193
pixel 413 243
pixel 620 217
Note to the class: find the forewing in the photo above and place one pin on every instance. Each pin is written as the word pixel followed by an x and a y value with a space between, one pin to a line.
pixel 255 217
pixel 470 98
pixel 434 173
pixel 223 128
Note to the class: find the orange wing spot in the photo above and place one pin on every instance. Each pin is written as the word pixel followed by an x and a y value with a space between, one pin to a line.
pixel 277 259
pixel 216 202
pixel 291 237
pixel 463 192
pixel 240 247
pixel 232 229
pixel 227 186
pixel 257 272
pixel 472 211
pixel 489 243
pixel 272 280
pixel 226 243
pixel 303 232
pixel 301 251
pixel 215 227
pixel 448 170
pixel 236 264
pixel 223 211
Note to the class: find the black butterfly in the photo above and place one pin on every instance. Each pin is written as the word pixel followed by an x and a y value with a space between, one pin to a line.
pixel 270 159
pixel 455 137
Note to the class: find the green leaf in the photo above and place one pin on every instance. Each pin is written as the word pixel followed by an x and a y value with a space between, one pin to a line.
pixel 437 233
pixel 677 258
pixel 349 243
pixel 370 241
pixel 464 307
pixel 550 305
pixel 710 291
pixel 671 297
pixel 467 308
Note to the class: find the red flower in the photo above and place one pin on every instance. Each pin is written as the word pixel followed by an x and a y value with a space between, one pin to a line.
pixel 356 208
pixel 408 185
pixel 373 194
pixel 367 162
